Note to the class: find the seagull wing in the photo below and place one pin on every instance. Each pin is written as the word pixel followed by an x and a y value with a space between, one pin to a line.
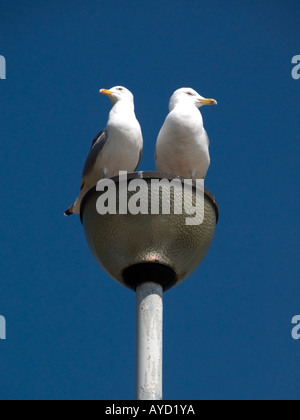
pixel 98 145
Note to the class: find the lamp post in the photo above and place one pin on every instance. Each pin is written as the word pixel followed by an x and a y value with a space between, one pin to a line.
pixel 149 341
pixel 149 252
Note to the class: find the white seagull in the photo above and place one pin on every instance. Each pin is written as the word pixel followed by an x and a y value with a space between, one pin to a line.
pixel 117 148
pixel 183 145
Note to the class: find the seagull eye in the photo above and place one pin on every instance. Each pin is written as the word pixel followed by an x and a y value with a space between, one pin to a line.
pixel 120 89
pixel 189 93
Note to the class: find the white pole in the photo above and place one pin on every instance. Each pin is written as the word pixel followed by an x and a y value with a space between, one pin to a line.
pixel 149 300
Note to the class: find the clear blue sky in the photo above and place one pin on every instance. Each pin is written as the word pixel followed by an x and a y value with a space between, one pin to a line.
pixel 70 328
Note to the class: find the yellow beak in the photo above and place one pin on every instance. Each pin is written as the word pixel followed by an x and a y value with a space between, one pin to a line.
pixel 208 102
pixel 106 92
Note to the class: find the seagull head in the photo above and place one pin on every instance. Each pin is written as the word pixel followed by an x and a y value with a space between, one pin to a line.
pixel 189 96
pixel 118 93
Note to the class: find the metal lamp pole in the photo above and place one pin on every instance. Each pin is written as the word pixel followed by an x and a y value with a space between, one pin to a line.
pixel 149 341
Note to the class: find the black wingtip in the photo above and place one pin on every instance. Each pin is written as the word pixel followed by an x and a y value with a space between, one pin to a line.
pixel 68 213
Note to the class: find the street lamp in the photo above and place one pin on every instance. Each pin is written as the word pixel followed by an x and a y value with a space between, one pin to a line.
pixel 149 253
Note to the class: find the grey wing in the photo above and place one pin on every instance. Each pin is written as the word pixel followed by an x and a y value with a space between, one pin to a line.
pixel 98 145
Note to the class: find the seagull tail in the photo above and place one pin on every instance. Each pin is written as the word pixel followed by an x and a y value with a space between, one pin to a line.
pixel 75 208
pixel 70 211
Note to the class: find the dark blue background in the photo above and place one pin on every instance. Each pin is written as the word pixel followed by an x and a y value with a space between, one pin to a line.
pixel 70 328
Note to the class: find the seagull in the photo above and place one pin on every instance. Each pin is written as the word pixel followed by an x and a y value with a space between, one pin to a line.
pixel 117 148
pixel 183 145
